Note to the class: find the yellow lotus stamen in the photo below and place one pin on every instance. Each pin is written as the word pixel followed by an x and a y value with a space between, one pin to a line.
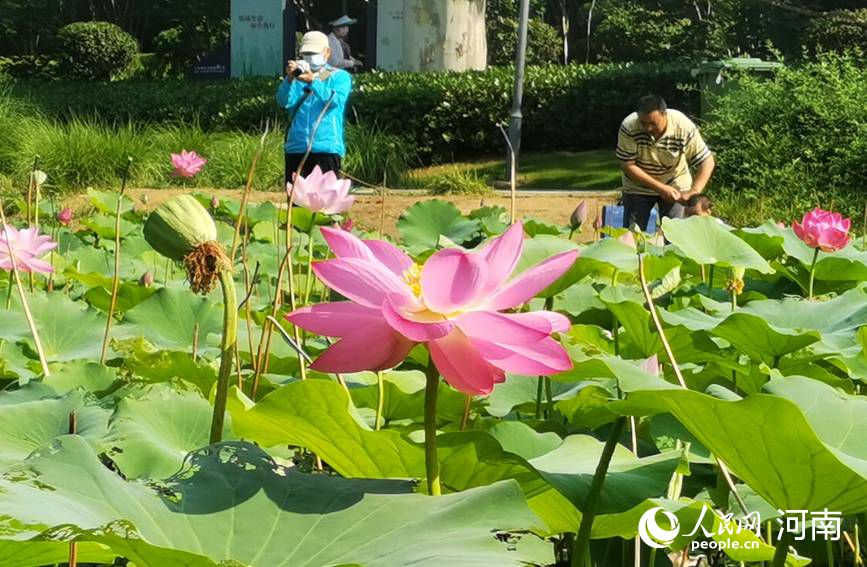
pixel 412 277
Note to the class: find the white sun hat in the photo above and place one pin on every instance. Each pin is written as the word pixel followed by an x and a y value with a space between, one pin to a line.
pixel 343 21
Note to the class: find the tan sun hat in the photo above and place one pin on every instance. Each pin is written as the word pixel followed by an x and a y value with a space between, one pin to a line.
pixel 314 42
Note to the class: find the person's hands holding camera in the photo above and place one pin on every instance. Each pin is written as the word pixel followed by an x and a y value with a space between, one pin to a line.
pixel 299 70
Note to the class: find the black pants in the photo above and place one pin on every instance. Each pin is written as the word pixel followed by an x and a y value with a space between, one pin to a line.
pixel 326 162
pixel 636 209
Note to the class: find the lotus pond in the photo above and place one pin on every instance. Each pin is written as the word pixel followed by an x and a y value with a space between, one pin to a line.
pixel 477 392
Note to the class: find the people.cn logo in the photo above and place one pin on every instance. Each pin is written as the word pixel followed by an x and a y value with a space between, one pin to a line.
pixel 652 534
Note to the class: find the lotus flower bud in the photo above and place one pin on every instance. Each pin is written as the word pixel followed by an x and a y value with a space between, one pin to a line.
pixel 579 216
pixel 146 279
pixel 64 217
pixel 181 229
pixel 735 285
pixel 215 203
pixel 347 225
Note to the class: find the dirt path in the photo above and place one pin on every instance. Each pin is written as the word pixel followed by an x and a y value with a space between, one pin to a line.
pixel 545 206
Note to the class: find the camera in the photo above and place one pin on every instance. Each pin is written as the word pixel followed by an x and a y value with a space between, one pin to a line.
pixel 301 68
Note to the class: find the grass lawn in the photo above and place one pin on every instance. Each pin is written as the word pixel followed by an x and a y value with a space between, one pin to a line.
pixel 594 169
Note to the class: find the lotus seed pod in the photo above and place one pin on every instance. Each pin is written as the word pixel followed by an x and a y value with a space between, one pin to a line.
pixel 181 229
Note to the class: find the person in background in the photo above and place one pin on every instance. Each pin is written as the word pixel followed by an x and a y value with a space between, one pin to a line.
pixel 657 147
pixel 314 94
pixel 341 54
pixel 699 206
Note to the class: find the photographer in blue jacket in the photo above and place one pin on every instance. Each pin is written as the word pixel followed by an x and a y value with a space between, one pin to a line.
pixel 314 94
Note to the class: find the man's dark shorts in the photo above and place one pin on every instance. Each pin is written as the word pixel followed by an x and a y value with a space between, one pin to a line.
pixel 636 209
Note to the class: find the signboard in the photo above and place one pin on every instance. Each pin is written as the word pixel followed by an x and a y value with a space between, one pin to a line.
pixel 389 35
pixel 257 37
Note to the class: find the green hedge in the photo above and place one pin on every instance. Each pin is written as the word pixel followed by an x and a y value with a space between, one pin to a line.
pixel 788 144
pixel 444 114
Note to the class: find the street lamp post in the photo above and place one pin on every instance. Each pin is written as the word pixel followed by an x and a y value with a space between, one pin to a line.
pixel 518 94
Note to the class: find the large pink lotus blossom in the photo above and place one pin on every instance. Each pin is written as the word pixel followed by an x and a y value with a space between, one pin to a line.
pixel 187 164
pixel 27 246
pixel 322 192
pixel 824 230
pixel 454 304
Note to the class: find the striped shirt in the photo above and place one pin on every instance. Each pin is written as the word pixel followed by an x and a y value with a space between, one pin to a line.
pixel 668 159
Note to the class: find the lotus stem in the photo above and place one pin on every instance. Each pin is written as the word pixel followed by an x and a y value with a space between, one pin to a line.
pixel 539 386
pixel 195 342
pixel 782 550
pixel 308 282
pixel 9 293
pixel 247 188
pixel 829 549
pixel 431 461
pixel 581 550
pixel 30 185
pixel 468 402
pixel 227 347
pixel 670 353
pixel 813 271
pixel 73 546
pixel 380 400
pixel 115 283
pixel 383 193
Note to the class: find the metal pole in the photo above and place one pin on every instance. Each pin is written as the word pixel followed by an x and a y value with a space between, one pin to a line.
pixel 518 94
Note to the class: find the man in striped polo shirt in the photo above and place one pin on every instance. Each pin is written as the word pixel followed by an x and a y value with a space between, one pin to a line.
pixel 657 147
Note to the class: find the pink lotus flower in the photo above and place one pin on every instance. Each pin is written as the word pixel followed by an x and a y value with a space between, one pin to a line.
pixel 824 230
pixel 322 192
pixel 347 225
pixel 579 216
pixel 27 246
pixel 453 304
pixel 187 164
pixel 628 238
pixel 64 217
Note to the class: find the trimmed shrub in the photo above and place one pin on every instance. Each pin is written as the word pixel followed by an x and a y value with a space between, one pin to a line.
pixel 788 144
pixel 95 51
pixel 544 44
pixel 572 107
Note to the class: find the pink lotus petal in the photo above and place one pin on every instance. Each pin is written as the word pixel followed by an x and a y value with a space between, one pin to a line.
pixel 822 229
pixel 367 283
pixel 525 287
pixel 497 327
pixel 347 245
pixel 413 329
pixel 321 192
pixel 390 256
pixel 452 279
pixel 650 365
pixel 541 358
pixel 462 366
pixel 333 319
pixel 545 321
pixel 187 164
pixel 502 255
pixel 374 347
pixel 27 245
